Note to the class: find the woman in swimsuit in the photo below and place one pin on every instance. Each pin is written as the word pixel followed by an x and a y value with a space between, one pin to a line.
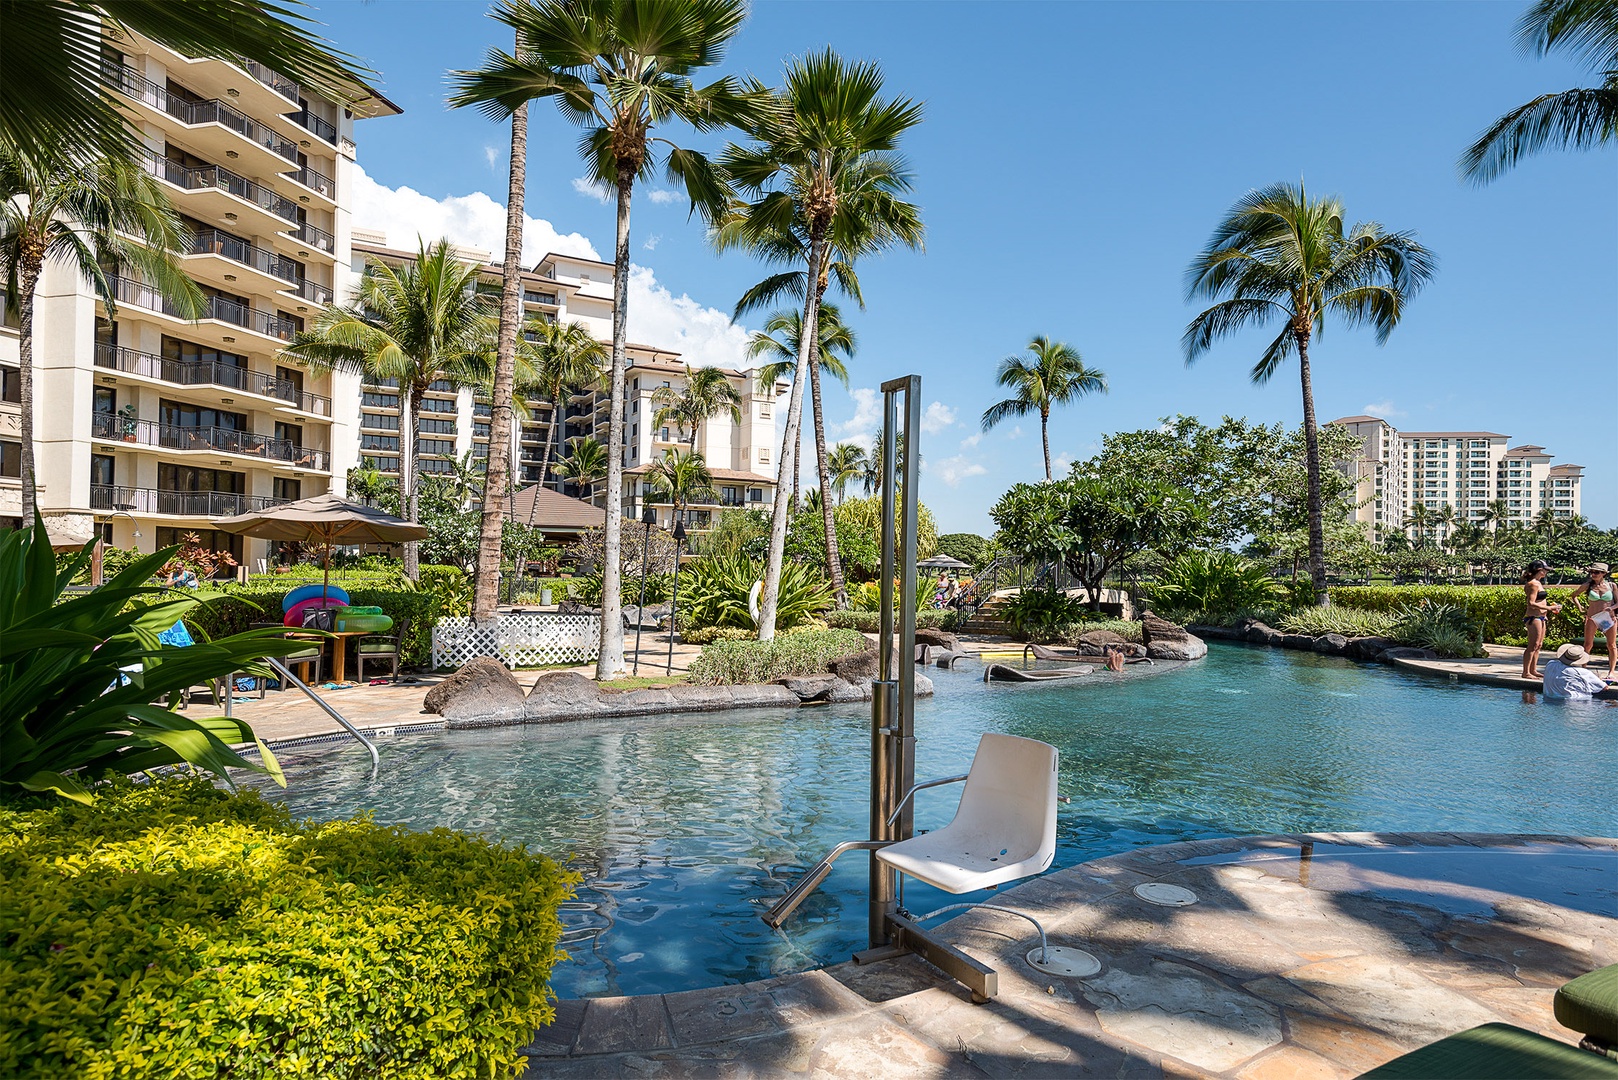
pixel 1602 614
pixel 1534 618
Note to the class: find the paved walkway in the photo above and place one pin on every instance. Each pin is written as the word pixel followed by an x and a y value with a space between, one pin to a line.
pixel 1502 667
pixel 1305 957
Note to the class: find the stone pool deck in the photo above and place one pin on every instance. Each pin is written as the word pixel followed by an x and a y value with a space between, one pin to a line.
pixel 1501 667
pixel 1319 955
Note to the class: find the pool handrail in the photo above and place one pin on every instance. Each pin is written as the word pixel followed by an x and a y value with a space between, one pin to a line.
pixel 286 673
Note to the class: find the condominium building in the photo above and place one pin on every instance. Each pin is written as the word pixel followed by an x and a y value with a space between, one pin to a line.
pixel 1466 470
pixel 149 426
pixel 455 419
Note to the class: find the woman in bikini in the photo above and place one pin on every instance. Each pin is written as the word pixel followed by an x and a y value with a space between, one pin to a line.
pixel 1602 614
pixel 1534 618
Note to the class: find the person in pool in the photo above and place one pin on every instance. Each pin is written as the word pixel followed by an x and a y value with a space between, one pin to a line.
pixel 1535 617
pixel 1602 614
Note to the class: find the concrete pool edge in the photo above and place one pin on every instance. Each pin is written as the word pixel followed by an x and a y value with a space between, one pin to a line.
pixel 1216 989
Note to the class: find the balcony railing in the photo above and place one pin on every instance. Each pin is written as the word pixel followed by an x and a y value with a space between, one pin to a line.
pixel 307 120
pixel 234 248
pixel 318 238
pixel 273 79
pixel 312 291
pixel 209 373
pixel 211 111
pixel 212 504
pixel 314 181
pixel 215 176
pixel 212 439
pixel 129 291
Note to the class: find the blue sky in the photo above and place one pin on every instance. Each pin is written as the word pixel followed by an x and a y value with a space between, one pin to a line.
pixel 1073 159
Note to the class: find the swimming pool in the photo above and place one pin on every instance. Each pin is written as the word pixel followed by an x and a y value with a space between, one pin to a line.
pixel 686 828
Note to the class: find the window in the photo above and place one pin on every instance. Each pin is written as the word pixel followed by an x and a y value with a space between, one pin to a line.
pixel 763 454
pixel 379 401
pixel 436 446
pixel 438 427
pixel 105 401
pixel 380 421
pixel 288 488
pixel 101 470
pixel 10 459
pixel 438 405
pixel 292 433
pixel 11 385
pixel 380 442
pixel 180 414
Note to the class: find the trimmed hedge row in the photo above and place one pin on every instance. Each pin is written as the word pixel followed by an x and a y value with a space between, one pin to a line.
pixel 806 652
pixel 174 930
pixel 1497 609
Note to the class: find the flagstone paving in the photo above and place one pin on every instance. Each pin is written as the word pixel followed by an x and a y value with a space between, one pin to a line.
pixel 1305 956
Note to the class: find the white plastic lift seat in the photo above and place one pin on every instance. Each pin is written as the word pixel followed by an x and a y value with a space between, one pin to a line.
pixel 1004 828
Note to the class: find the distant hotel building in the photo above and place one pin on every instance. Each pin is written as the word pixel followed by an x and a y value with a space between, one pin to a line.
pixel 145 421
pixel 1464 469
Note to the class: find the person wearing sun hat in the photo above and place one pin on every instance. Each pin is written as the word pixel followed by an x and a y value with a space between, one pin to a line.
pixel 1565 676
pixel 1602 615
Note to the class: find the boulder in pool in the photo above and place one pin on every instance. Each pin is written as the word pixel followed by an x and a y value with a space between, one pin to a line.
pixel 1369 648
pixel 481 688
pixel 812 687
pixel 1191 648
pixel 559 692
pixel 938 639
pixel 1331 644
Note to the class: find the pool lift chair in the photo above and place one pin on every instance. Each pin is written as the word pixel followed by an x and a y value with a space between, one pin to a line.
pixel 1005 827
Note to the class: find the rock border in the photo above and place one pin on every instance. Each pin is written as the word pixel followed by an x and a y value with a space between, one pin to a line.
pixel 1374 649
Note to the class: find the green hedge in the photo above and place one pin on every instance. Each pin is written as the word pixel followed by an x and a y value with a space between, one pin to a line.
pixel 871 621
pixel 1497 609
pixel 241 607
pixel 807 652
pixel 174 930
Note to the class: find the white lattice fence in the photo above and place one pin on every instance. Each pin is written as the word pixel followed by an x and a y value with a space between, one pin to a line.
pixel 518 640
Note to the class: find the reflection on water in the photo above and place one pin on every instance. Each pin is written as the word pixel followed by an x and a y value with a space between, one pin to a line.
pixel 685 828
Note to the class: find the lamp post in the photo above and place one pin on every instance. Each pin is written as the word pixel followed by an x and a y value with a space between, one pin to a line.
pixel 648 517
pixel 674 599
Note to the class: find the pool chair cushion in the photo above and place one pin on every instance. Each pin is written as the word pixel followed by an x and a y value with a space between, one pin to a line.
pixel 1589 1005
pixel 1496 1052
pixel 300 656
pixel 375 648
pixel 1004 829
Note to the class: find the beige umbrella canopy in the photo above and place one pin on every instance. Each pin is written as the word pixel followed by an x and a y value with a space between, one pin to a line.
pixel 324 520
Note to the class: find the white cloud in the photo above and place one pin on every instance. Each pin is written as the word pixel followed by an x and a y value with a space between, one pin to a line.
pixel 862 426
pixel 1383 410
pixel 953 470
pixel 473 220
pixel 936 417
pixel 492 156
pixel 703 336
pixel 971 440
pixel 1015 432
pixel 652 241
pixel 1060 462
pixel 601 193
pixel 659 196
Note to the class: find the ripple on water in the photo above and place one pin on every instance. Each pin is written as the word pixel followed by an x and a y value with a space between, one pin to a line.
pixel 685 828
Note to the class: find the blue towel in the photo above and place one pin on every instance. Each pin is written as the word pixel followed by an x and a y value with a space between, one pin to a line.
pixel 176 635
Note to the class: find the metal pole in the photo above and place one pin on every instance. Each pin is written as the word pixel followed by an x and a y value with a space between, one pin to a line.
pixel 647 516
pixel 906 736
pixel 674 599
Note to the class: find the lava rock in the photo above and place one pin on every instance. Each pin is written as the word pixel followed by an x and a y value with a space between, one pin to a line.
pixel 481 687
pixel 557 692
pixel 1154 629
pixel 811 687
pixel 1192 648
pixel 1128 648
pixel 1369 648
pixel 1331 644
pixel 1298 641
pixel 938 639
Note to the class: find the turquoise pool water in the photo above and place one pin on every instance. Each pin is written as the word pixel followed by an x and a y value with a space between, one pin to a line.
pixel 686 828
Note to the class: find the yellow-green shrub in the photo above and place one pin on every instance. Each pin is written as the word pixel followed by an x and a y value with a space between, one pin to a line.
pixel 1496 609
pixel 173 930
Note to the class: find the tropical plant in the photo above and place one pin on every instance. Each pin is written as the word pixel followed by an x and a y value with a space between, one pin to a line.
pixel 1447 629
pixel 1214 581
pixel 366 482
pixel 54 97
pixel 566 359
pixel 622 70
pixel 725 663
pixel 737 530
pixel 1419 520
pixel 1579 119
pixel 414 325
pixel 779 341
pixel 716 590
pixel 681 479
pixel 88 215
pixel 1039 614
pixel 1278 254
pixel 1497 515
pixel 820 186
pixel 707 392
pixel 1055 374
pixel 78 676
pixel 585 464
pixel 845 464
pixel 1350 622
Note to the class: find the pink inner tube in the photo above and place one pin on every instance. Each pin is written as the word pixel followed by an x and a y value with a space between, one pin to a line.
pixel 314 603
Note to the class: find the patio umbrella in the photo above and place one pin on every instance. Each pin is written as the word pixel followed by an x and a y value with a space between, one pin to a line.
pixel 942 562
pixel 324 520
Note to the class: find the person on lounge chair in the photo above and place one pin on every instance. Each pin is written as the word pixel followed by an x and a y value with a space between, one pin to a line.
pixel 1566 678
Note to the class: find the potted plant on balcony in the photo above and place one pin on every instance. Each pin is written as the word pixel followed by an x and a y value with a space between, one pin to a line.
pixel 128 416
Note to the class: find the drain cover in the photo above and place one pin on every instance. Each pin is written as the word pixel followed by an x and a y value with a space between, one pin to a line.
pixel 1156 892
pixel 1074 963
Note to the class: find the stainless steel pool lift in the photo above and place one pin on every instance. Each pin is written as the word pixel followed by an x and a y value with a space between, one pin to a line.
pixel 893 932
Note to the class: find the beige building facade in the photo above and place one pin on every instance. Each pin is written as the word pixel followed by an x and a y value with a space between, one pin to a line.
pixel 1470 471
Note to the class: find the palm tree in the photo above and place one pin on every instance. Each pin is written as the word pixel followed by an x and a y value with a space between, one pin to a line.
pixel 565 359
pixel 1446 519
pixel 871 477
pixel 780 340
pixel 682 479
pixel 585 464
pixel 89 215
pixel 1420 518
pixel 820 186
pixel 1055 375
pixel 1497 514
pixel 1547 524
pixel 414 325
pixel 54 103
pixel 707 392
pixel 1279 254
pixel 366 482
pixel 1577 119
pixel 621 69
pixel 847 464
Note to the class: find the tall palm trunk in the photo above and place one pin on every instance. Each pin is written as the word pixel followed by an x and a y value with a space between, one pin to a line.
pixel 789 439
pixel 28 270
pixel 834 565
pixel 409 433
pixel 1311 449
pixel 486 586
pixel 611 659
pixel 1045 438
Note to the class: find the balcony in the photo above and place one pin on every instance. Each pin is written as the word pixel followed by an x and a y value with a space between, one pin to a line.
pixel 210 373
pixel 322 129
pixel 315 238
pixel 318 182
pixel 199 504
pixel 237 250
pixel 192 113
pixel 209 440
pixel 129 291
pixel 311 291
pixel 217 178
pixel 273 79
